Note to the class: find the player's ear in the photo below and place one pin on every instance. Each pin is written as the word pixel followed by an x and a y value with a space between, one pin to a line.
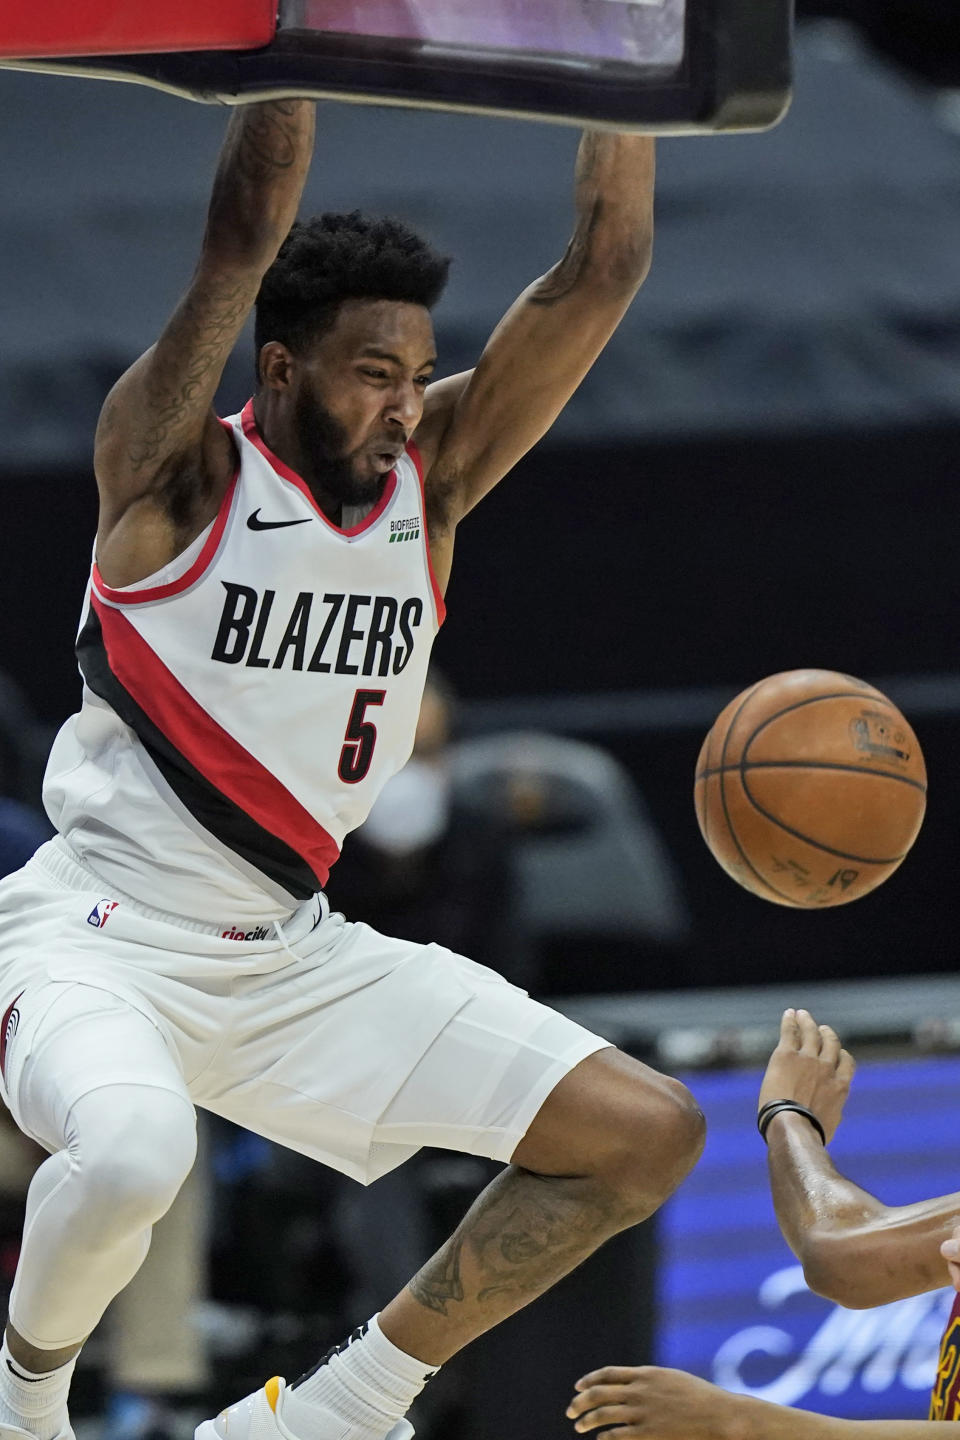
pixel 275 364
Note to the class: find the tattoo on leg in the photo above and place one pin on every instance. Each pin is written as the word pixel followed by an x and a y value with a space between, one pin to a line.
pixel 440 1282
pixel 522 1234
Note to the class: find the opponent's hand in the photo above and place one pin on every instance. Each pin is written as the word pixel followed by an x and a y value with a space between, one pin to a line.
pixel 649 1403
pixel 950 1250
pixel 810 1066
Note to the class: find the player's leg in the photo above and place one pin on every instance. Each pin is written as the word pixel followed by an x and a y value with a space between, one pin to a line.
pixel 154 1361
pixel 597 1141
pixel 610 1143
pixel 92 1079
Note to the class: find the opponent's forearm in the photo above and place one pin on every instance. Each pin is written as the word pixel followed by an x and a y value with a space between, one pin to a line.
pixel 759 1420
pixel 673 1405
pixel 808 1189
pixel 259 181
pixel 612 241
pixel 815 1204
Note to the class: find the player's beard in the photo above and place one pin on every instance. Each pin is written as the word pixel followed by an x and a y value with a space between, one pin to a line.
pixel 330 466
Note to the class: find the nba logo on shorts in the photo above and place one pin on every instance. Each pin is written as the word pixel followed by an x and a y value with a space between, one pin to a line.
pixel 101 913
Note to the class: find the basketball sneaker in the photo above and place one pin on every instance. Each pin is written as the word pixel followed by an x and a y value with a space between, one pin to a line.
pixel 260 1417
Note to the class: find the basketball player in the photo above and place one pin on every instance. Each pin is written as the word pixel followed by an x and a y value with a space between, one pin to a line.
pixel 254 645
pixel 855 1251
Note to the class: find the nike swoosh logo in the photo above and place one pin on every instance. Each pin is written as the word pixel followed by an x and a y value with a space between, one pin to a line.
pixel 30 1379
pixel 255 523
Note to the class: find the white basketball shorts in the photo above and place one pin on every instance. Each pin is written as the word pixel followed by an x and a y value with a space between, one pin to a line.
pixel 325 1036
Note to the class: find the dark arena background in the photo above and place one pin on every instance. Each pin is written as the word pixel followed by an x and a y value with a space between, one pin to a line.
pixel 762 472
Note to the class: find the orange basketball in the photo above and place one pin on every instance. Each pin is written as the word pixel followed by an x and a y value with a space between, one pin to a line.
pixel 810 788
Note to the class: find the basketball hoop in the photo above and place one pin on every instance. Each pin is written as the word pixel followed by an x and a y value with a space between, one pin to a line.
pixel 661 66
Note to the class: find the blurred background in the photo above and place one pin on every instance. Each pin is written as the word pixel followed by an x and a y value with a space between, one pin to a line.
pixel 759 474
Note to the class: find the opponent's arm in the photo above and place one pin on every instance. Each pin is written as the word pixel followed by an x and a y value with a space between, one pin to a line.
pixel 477 426
pixel 854 1249
pixel 648 1403
pixel 162 459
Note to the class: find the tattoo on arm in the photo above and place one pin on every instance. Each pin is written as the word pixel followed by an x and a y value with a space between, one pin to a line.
pixel 559 281
pixel 207 318
pixel 109 419
pixel 263 163
pixel 267 140
pixel 614 225
pixel 255 195
pixel 153 429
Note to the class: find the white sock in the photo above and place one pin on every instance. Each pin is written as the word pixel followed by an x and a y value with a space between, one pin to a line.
pixel 367 1383
pixel 34 1401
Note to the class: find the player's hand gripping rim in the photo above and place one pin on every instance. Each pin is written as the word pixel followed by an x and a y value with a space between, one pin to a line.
pixel 811 1068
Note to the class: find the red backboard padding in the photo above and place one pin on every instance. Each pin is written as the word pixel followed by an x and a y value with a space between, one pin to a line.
pixel 34 29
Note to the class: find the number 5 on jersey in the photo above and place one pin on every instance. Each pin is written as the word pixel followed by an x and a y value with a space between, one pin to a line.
pixel 360 737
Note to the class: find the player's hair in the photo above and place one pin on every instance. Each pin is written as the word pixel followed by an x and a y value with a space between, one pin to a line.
pixel 333 258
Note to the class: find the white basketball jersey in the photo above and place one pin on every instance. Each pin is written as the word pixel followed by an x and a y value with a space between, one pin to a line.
pixel 243 707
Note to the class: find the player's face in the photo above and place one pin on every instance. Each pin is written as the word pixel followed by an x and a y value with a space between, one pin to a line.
pixel 361 395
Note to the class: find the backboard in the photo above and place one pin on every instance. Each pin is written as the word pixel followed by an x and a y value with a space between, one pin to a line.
pixel 662 66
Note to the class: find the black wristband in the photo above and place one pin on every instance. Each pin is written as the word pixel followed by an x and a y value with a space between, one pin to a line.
pixel 774 1107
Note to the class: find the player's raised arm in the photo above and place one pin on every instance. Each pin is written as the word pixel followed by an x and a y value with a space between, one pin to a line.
pixel 854 1249
pixel 476 428
pixel 162 460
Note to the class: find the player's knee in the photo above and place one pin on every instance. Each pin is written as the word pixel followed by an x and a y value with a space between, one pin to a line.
pixel 132 1167
pixel 635 1132
pixel 683 1125
pixel 660 1139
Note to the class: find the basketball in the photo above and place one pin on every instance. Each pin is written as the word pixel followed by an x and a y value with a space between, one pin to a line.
pixel 810 788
